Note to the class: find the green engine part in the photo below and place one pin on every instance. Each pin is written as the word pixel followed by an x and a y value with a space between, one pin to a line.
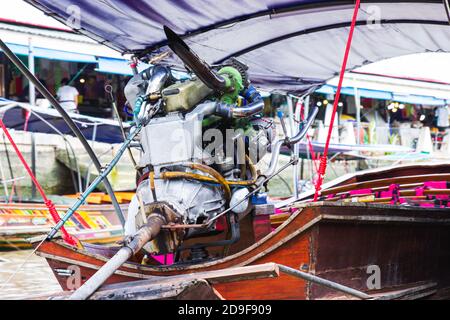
pixel 234 84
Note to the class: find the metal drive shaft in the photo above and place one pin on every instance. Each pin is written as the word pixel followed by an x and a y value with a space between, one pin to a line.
pixel 144 235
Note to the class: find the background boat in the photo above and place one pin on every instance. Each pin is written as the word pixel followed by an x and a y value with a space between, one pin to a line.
pixel 96 224
pixel 60 162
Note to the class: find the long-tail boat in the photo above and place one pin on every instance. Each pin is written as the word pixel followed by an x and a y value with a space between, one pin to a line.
pixel 337 240
pixel 387 234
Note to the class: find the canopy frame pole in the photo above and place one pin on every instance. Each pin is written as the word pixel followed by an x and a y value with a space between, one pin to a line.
pixel 31 65
pixel 447 9
pixel 70 123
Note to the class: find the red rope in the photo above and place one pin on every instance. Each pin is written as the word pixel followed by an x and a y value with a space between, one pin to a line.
pixel 50 205
pixel 27 119
pixel 324 158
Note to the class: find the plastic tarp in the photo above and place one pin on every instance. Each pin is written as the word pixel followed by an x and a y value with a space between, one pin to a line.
pixel 14 115
pixel 52 54
pixel 289 45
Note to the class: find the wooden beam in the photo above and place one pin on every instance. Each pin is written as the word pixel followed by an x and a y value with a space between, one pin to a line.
pixel 180 290
pixel 172 286
pixel 268 270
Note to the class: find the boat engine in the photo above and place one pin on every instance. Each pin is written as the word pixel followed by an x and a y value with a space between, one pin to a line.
pixel 199 150
pixel 201 138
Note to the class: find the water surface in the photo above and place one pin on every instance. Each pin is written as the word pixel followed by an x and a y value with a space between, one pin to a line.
pixel 34 279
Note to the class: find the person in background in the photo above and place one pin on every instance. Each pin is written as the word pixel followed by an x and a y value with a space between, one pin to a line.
pixel 24 97
pixel 442 118
pixel 442 123
pixel 68 96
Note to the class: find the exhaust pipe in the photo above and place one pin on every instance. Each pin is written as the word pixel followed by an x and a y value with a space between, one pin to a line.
pixel 233 112
pixel 145 234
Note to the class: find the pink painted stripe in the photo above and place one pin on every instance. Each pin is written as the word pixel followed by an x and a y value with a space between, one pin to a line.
pixel 436 184
pixel 361 191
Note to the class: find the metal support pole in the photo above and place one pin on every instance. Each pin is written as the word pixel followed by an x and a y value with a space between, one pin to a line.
pixel 43 90
pixel 302 169
pixel 33 164
pixel 306 105
pixel 324 282
pixel 308 150
pixel 4 182
pixel 108 90
pixel 94 136
pixel 31 66
pixel 294 130
pixel 8 159
pixel 358 115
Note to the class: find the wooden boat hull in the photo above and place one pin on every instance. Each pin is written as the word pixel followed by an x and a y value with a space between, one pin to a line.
pixel 339 242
